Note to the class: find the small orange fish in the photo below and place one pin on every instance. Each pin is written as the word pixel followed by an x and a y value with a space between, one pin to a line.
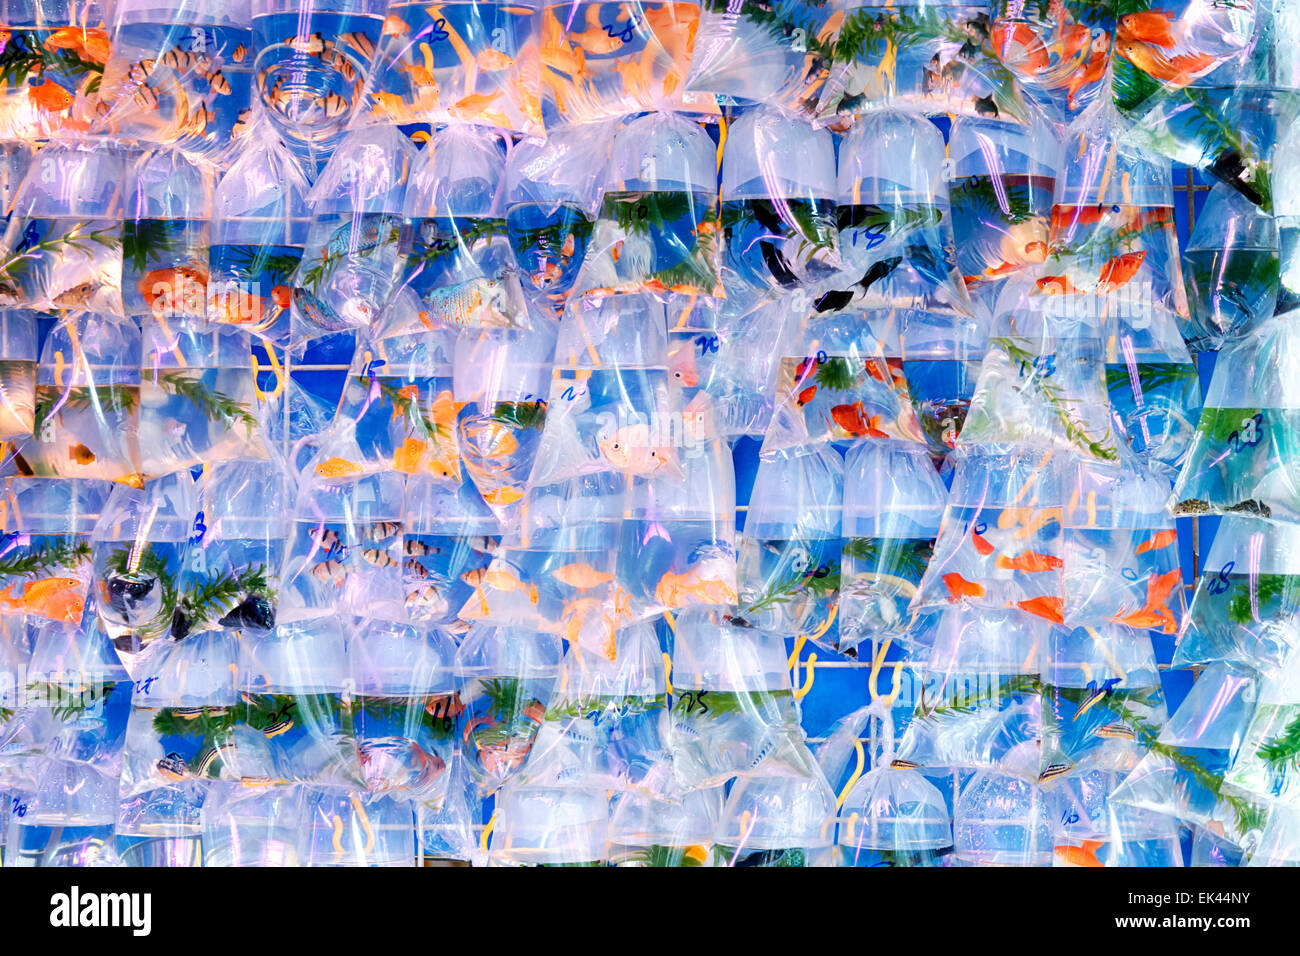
pixel 1177 71
pixel 982 544
pixel 958 587
pixel 476 103
pixel 407 459
pixel 1155 613
pixel 1057 285
pixel 1049 608
pixel 1161 539
pixel 581 575
pixel 1149 26
pixel 680 590
pixel 490 60
pixel 853 419
pixel 681 366
pixel 59 598
pixel 338 468
pixel 282 295
pixel 1092 71
pixel 48 95
pixel 1019 47
pixel 501 497
pixel 1030 561
pixel 92 43
pixel 1083 855
pixel 394 26
pixel 806 396
pixel 80 454
pixel 1119 270
pixel 175 289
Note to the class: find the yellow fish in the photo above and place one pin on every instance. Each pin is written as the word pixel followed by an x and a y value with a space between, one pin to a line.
pixel 581 575
pixel 338 468
pixel 503 496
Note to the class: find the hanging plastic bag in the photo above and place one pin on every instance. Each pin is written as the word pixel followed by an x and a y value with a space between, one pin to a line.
pixel 1245 607
pixel 733 705
pixel 602 60
pixel 347 273
pixel 445 825
pixel 86 420
pixel 179 73
pixel 1001 820
pixel 891 816
pixel 552 195
pixel 778 202
pixel 139 547
pixel 296 719
pixel 54 57
pixel 344 551
pixel 1000 182
pixel 550 826
pixel 18 344
pixel 405 709
pixel 1265 764
pixel 790 547
pixel 311 63
pixel 237 546
pixel 1000 543
pixel 896 237
pixel 1121 552
pixel 259 228
pixel 69 817
pixel 501 383
pixel 507 676
pixel 45 545
pixel 980 706
pixel 252 826
pixel 893 506
pixel 650 831
pixel 1055 52
pixel 777 53
pixel 929 57
pixel 461 63
pixel 453 240
pixel 778 821
pixel 347 829
pixel 1231 264
pixel 658 225
pixel 835 383
pixel 198 403
pixel 449 538
pixel 1241 458
pixel 941 361
pixel 63 245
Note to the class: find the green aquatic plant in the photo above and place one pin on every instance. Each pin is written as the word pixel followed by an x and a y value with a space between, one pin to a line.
pixel 212 404
pixel 61 554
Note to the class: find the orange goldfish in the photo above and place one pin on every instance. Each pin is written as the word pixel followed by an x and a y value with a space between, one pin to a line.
pixel 476 102
pixel 1091 72
pixel 91 44
pixel 1161 539
pixel 982 544
pixel 805 396
pixel 1155 613
pixel 1083 855
pixel 596 38
pixel 501 497
pixel 48 95
pixel 174 289
pixel 958 587
pixel 581 575
pixel 853 419
pixel 59 599
pixel 338 468
pixel 1019 47
pixel 407 458
pixel 1057 285
pixel 679 590
pixel 1177 71
pixel 394 26
pixel 630 449
pixel 491 60
pixel 1030 561
pixel 1118 270
pixel 681 366
pixel 1047 607
pixel 1149 26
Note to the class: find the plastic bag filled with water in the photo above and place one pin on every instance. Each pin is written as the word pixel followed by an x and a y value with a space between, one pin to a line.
pixel 45 566
pixel 733 706
pixel 311 63
pixel 502 384
pixel 778 53
pixel 649 830
pixel 896 238
pixel 344 550
pixel 296 717
pixel 346 829
pixel 252 826
pixel 87 415
pixel 1001 179
pixel 476 63
pixel 791 547
pixel 453 244
pixel 445 824
pixel 778 203
pixel 1264 767
pixel 941 357
pixel 1242 457
pixel 180 72
pixel 778 821
pixel 237 548
pixel 836 383
pixel 405 710
pixel 259 229
pixel 602 60
pixel 347 272
pixel 55 56
pixel 893 506
pixel 550 826
pixel 607 721
pixel 552 195
pixel 928 57
pixel 198 403
pixel 1001 544
pixel 658 228
pixel 449 538
pixel 1003 820
pixel 18 342
pixel 1121 552
pixel 1231 266
pixel 62 248
pixel 506 678
pixel 980 707
pixel 1058 53
pixel 139 548
pixel 1247 600
pixel 677 546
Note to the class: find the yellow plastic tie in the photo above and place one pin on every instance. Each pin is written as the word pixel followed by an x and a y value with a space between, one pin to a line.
pixel 853 778
pixel 365 825
pixel 487 832
pixel 274 367
pixel 668 673
pixel 810 672
pixel 793 660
